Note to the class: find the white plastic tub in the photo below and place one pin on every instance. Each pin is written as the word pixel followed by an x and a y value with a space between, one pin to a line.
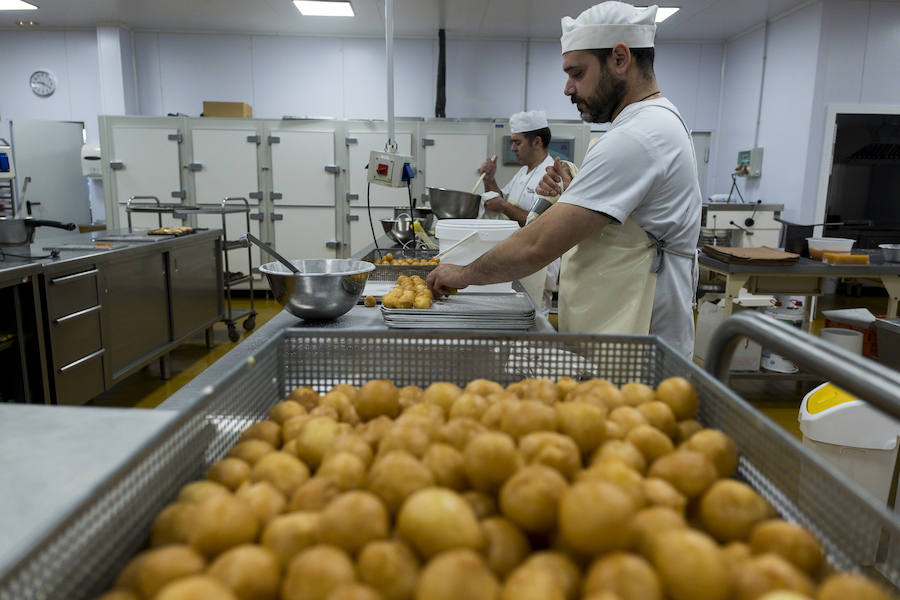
pixel 489 234
pixel 820 245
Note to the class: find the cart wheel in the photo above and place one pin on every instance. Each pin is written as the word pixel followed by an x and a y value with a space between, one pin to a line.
pixel 233 334
pixel 249 323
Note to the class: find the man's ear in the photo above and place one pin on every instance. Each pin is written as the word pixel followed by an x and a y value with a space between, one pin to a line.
pixel 621 57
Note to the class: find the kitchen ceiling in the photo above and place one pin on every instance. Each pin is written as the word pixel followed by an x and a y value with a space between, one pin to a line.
pixel 698 20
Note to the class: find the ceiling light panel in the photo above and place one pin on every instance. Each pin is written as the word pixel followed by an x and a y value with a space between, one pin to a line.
pixel 16 5
pixel 663 13
pixel 323 8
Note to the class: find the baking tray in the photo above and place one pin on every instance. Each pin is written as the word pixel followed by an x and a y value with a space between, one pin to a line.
pixel 81 558
pixel 467 311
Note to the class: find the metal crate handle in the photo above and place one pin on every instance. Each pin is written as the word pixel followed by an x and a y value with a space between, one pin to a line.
pixel 864 378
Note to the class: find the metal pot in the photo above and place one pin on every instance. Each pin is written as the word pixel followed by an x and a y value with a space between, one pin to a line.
pixel 20 232
pixel 453 204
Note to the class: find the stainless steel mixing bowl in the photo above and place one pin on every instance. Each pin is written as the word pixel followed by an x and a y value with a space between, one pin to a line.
pixel 891 252
pixel 325 288
pixel 424 215
pixel 453 204
pixel 399 230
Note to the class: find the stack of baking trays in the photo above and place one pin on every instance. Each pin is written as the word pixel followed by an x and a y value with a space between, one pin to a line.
pixel 496 312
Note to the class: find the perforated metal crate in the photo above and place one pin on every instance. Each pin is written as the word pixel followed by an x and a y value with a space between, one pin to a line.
pixel 80 559
pixel 392 272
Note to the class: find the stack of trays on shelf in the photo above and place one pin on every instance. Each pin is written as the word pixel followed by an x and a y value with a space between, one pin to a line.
pixel 494 312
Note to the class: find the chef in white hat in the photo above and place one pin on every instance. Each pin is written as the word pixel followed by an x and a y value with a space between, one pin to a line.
pixel 529 138
pixel 627 223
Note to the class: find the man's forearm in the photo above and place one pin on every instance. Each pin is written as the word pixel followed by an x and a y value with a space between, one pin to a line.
pixel 490 185
pixel 515 213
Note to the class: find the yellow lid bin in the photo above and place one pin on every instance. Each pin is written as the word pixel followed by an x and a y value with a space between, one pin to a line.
pixel 857 438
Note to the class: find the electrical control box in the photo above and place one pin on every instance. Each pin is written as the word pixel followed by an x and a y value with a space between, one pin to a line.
pixel 749 163
pixel 90 160
pixel 7 170
pixel 391 170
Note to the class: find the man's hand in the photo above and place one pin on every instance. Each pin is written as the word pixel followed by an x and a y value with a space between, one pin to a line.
pixel 446 279
pixel 489 168
pixel 555 181
pixel 495 204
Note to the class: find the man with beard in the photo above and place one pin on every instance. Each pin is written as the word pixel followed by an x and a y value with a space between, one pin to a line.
pixel 627 223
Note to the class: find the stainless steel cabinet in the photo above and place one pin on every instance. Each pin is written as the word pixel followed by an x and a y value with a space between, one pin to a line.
pixel 195 286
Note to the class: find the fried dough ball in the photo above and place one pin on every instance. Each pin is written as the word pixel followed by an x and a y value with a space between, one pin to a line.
pixel 437 519
pixel 347 470
pixel 649 523
pixel 442 393
pixel 783 595
pixel 627 417
pixel 251 572
pixel 842 586
pixel 680 395
pixel 173 524
pixel 553 450
pixel 730 509
pixel 500 404
pixel 623 451
pixel 266 501
pixel 352 443
pixel 285 471
pixel 354 591
pixel 584 423
pixel 660 416
pixel 374 430
pixel 627 575
pixel 459 432
pixel 316 572
pixel 198 491
pixel 119 594
pixel 127 578
pixel 620 475
pixel 222 522
pixel 429 424
pixel 267 431
pixel 489 460
pixel 565 384
pixel 469 405
pixel 456 574
pixel 251 450
pixel 315 493
pixel 287 535
pixel 160 566
pixel 370 301
pixel 482 504
pixel 565 571
pixel 652 442
pixel 284 410
pixel 354 519
pixel 688 428
pixel 789 540
pixel 528 416
pixel 431 411
pixel 377 397
pixel 483 387
pixel 346 389
pixel 735 553
pixel 614 431
pixel 314 440
pixel 691 566
pixel 399 437
pixel 325 411
pixel 660 492
pixel 718 447
pixel 505 545
pixel 637 393
pixel 291 429
pixel 530 498
pixel 528 583
pixel 340 402
pixel 397 475
pixel 307 397
pixel 597 391
pixel 540 389
pixel 230 472
pixel 690 472
pixel 594 516
pixel 766 573
pixel 196 587
pixel 390 567
pixel 447 465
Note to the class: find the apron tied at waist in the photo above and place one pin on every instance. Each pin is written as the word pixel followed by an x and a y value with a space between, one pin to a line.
pixel 662 249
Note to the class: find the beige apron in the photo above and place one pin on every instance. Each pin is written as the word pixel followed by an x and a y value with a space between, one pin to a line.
pixel 607 282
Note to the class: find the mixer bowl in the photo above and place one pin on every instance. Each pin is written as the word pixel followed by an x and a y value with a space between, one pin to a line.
pixel 399 230
pixel 453 204
pixel 325 288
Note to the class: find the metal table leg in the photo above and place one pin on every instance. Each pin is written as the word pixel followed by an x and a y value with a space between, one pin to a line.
pixel 892 285
pixel 165 367
pixel 733 284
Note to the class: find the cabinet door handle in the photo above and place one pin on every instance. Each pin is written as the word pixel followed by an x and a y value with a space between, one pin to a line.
pixel 83 360
pixel 69 278
pixel 80 313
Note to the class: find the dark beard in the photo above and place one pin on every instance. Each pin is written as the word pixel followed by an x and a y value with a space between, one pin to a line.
pixel 607 96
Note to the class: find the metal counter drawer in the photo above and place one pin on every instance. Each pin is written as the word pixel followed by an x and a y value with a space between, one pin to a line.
pixel 75 336
pixel 80 380
pixel 71 293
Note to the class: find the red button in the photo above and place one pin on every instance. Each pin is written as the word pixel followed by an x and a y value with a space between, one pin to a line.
pixel 382 169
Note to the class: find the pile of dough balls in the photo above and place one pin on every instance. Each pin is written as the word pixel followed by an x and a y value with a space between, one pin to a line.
pixel 410 292
pixel 538 490
pixel 388 259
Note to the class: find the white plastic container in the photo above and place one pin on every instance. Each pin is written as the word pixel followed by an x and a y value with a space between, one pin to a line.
pixel 855 437
pixel 819 245
pixel 489 234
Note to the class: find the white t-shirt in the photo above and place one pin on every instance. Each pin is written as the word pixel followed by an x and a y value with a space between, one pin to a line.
pixel 644 168
pixel 520 191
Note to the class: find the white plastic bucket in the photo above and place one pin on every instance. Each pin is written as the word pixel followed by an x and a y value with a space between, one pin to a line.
pixel 848 339
pixel 489 234
pixel 771 361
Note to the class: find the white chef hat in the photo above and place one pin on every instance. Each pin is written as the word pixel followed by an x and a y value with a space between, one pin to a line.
pixel 606 24
pixel 531 120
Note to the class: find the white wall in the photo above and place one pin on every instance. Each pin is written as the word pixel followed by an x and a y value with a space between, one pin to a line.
pixel 71 56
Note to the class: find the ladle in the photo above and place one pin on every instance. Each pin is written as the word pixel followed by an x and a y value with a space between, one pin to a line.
pixel 252 238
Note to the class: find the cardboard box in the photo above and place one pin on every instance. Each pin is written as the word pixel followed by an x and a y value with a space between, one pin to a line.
pixel 710 315
pixel 238 110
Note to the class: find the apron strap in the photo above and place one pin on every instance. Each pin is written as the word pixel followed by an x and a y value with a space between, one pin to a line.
pixel 662 249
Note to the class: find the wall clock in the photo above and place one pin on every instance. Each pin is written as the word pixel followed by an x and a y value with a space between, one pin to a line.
pixel 43 83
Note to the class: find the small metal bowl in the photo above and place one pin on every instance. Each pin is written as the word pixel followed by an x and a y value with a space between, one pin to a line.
pixel 399 230
pixel 325 288
pixel 453 204
pixel 891 252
